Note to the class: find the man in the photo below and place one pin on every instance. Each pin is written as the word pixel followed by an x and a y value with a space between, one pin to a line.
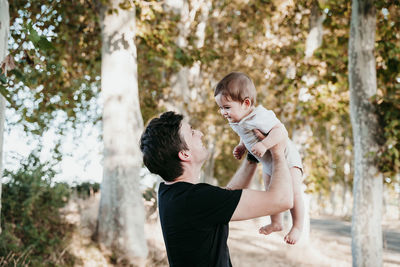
pixel 194 216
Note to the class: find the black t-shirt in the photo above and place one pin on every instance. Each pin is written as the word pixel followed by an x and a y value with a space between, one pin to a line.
pixel 194 220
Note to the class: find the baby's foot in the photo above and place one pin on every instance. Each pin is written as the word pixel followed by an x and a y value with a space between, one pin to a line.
pixel 273 227
pixel 293 236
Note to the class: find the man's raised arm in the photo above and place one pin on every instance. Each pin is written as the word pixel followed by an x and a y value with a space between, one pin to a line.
pixel 279 198
pixel 243 175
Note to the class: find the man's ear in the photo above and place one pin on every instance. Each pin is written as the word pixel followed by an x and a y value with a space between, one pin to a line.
pixel 184 155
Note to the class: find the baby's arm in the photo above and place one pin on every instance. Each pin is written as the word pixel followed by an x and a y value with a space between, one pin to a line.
pixel 239 150
pixel 277 134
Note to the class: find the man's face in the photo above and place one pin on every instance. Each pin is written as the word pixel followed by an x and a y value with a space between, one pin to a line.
pixel 193 139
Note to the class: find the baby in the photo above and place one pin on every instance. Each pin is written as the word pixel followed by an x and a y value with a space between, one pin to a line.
pixel 235 95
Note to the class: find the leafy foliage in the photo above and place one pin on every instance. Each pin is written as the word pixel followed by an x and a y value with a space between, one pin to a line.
pixel 56 47
pixel 159 55
pixel 31 216
pixel 86 189
pixel 388 75
pixel 266 39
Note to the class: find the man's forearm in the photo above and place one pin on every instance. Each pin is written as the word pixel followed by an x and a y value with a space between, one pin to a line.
pixel 275 136
pixel 243 175
pixel 281 184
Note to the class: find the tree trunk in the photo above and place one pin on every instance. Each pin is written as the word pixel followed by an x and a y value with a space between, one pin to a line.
pixel 314 40
pixel 197 91
pixel 398 204
pixel 367 190
pixel 344 197
pixel 385 200
pixel 207 175
pixel 331 173
pixel 314 37
pixel 305 238
pixel 121 214
pixel 4 31
pixel 180 82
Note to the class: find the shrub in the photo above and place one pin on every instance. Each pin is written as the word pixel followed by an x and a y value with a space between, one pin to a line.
pixel 34 232
pixel 86 189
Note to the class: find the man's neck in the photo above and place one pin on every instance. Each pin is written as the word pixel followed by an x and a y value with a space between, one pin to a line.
pixel 190 174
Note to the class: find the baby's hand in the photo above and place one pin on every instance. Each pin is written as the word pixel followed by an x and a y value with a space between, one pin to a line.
pixel 258 149
pixel 238 151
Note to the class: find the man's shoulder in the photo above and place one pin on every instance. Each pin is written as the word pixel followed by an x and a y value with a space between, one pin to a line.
pixel 184 184
pixel 203 187
pixel 207 192
pixel 185 187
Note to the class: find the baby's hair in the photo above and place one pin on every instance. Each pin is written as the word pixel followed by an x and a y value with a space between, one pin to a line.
pixel 237 86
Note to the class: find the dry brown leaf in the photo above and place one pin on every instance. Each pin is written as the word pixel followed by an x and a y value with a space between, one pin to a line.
pixel 7 64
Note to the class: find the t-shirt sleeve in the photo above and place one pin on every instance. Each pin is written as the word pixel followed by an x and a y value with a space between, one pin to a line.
pixel 210 205
pixel 264 120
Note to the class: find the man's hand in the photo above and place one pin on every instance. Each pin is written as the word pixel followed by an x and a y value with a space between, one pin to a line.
pixel 260 135
pixel 258 149
pixel 278 149
pixel 239 151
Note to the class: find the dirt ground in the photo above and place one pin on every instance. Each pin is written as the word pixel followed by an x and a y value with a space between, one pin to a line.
pixel 324 248
pixel 329 243
pixel 248 248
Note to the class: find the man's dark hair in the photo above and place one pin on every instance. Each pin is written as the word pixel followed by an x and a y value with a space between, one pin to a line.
pixel 160 144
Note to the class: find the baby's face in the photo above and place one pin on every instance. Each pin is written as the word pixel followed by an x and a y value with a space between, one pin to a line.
pixel 233 111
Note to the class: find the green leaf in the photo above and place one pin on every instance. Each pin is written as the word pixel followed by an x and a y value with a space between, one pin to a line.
pixel 3 78
pixel 6 94
pixel 44 44
pixel 30 119
pixel 18 75
pixel 38 41
pixel 33 35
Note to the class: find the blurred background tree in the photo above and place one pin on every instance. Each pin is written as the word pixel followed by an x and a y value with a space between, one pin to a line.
pixel 295 52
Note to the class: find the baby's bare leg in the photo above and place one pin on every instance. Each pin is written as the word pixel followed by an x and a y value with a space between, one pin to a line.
pixel 276 220
pixel 297 211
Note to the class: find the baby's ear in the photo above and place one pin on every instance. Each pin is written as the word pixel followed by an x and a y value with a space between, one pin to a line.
pixel 247 102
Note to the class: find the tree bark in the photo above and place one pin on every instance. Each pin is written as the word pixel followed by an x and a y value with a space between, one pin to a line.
pixel 207 175
pixel 314 37
pixel 398 215
pixel 181 93
pixel 345 204
pixel 346 197
pixel 314 41
pixel 367 190
pixel 4 31
pixel 121 213
pixel 197 90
